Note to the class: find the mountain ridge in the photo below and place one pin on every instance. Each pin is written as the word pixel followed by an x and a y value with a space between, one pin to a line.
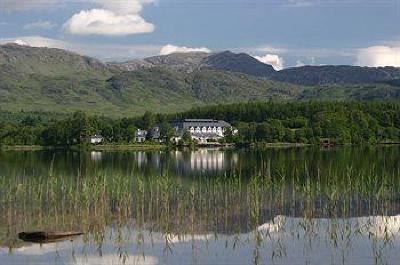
pixel 308 75
pixel 47 79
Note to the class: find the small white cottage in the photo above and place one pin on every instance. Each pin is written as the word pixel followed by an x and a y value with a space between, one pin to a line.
pixel 94 139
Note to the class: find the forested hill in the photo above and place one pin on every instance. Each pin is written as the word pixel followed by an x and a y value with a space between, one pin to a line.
pixel 43 79
pixel 307 122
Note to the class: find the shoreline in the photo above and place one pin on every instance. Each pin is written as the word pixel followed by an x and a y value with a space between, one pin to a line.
pixel 121 147
pixel 159 147
pixel 127 147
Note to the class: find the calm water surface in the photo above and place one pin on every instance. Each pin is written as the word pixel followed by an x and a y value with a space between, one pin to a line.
pixel 271 206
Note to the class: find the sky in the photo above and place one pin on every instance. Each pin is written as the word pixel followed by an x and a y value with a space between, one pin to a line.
pixel 283 33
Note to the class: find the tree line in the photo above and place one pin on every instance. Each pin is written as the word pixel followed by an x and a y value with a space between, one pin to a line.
pixel 306 122
pixel 309 122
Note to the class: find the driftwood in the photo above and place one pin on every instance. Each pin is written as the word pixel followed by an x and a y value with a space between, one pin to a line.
pixel 48 237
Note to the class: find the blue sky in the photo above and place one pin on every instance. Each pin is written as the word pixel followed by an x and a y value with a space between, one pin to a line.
pixel 283 33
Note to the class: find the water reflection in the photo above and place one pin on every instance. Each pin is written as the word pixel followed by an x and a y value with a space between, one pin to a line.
pixel 96 156
pixel 205 161
pixel 286 206
pixel 187 162
pixel 284 240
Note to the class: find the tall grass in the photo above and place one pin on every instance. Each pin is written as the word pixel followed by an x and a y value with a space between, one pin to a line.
pixel 229 204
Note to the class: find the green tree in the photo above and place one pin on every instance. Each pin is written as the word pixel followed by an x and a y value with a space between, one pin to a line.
pixel 166 132
pixel 228 135
pixel 186 137
pixel 148 121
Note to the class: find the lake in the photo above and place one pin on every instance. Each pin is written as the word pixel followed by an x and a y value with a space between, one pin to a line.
pixel 305 205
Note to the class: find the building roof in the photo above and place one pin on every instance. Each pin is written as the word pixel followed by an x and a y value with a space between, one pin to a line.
pixel 186 123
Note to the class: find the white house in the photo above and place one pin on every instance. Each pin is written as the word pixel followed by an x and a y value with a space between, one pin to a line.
pixel 140 136
pixel 94 139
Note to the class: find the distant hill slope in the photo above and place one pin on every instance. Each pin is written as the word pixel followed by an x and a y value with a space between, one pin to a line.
pixel 30 60
pixel 244 63
pixel 42 79
pixel 187 62
pixel 344 74
pixel 190 62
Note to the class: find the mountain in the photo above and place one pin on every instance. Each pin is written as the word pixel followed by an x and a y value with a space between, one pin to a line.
pixel 43 79
pixel 28 60
pixel 190 62
pixel 55 80
pixel 342 74
pixel 187 62
pixel 242 63
pixel 246 64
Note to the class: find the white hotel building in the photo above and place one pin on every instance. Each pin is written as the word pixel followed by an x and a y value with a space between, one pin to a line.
pixel 202 130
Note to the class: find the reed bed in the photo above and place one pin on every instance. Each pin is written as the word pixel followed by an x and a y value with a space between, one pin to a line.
pixel 229 204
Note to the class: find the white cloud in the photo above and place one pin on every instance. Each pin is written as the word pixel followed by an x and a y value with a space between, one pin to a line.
pixel 168 49
pixel 105 22
pixel 39 25
pixel 271 59
pixel 106 52
pixel 113 18
pixel 379 56
pixel 21 43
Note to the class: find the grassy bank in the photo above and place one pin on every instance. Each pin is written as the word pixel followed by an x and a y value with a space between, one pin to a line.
pixel 278 145
pixel 105 147
pixel 127 147
pixel 27 148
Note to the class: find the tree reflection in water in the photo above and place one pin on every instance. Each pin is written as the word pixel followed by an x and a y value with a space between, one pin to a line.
pixel 283 214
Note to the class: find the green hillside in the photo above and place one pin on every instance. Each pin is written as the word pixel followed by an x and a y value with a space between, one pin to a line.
pixel 41 79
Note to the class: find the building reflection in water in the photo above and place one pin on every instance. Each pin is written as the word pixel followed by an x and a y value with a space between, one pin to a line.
pixel 96 156
pixel 141 159
pixel 202 161
pixel 205 161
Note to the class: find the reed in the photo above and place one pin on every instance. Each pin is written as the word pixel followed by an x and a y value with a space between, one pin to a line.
pixel 176 207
